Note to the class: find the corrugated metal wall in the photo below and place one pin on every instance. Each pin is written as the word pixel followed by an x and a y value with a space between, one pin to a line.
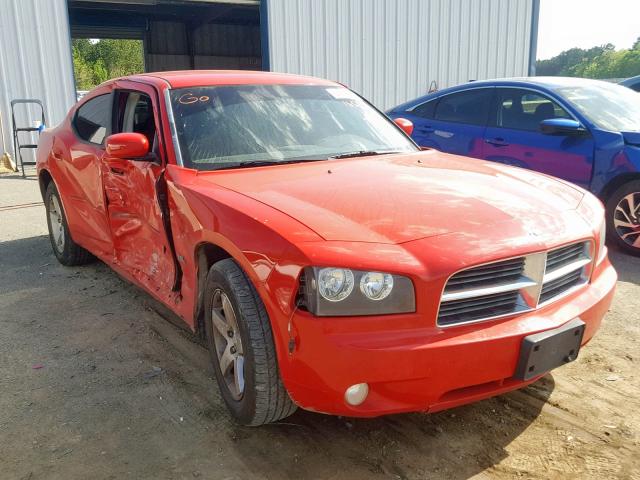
pixel 35 59
pixel 391 50
pixel 214 45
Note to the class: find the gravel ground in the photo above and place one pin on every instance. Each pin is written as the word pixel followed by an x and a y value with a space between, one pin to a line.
pixel 94 383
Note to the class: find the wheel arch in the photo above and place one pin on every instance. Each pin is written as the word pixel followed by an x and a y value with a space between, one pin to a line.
pixel 206 254
pixel 615 183
pixel 44 179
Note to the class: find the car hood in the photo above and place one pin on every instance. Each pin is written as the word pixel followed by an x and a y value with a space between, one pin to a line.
pixel 404 197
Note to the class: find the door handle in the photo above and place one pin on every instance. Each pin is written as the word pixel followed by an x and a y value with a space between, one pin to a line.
pixel 498 142
pixel 116 170
pixel 425 129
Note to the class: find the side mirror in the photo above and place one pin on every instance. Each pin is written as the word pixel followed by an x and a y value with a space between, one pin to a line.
pixel 128 146
pixel 405 125
pixel 561 126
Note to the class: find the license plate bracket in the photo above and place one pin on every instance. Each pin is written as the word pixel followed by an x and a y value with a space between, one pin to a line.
pixel 547 350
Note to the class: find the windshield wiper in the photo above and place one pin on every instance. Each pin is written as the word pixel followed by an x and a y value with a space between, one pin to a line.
pixel 260 163
pixel 363 153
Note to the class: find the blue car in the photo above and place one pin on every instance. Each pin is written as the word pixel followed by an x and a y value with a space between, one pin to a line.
pixel 584 131
pixel 633 83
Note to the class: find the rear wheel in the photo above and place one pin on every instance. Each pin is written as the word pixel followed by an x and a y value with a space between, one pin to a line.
pixel 241 347
pixel 623 217
pixel 67 251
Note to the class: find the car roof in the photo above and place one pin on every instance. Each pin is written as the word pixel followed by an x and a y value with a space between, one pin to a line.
pixel 549 83
pixel 201 78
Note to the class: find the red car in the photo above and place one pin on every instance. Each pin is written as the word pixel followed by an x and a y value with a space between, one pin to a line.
pixel 328 262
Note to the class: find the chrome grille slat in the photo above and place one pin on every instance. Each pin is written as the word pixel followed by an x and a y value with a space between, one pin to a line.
pixel 514 285
pixel 473 292
pixel 565 269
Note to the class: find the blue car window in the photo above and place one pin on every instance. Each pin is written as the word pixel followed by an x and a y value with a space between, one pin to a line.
pixel 469 107
pixel 519 109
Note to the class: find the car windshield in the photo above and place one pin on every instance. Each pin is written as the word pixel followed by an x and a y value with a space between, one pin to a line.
pixel 609 106
pixel 246 125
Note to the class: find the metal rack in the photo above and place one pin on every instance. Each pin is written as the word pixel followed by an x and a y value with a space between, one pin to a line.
pixel 17 145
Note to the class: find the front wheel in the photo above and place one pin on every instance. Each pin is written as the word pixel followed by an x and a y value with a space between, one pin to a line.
pixel 241 347
pixel 623 217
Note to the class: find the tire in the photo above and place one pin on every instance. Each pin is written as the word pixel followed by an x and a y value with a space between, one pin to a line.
pixel 67 251
pixel 240 341
pixel 623 225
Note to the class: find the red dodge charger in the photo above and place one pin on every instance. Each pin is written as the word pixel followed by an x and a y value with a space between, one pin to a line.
pixel 325 259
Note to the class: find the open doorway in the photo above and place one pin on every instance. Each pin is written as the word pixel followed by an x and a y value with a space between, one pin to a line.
pixel 159 35
pixel 98 60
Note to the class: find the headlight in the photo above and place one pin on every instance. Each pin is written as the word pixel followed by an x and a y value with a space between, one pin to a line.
pixel 335 284
pixel 330 291
pixel 376 285
pixel 602 237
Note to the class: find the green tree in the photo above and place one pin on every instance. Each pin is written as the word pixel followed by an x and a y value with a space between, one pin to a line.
pixel 597 62
pixel 97 61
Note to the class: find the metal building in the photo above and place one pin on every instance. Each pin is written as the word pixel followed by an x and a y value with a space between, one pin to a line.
pixel 387 50
pixel 391 51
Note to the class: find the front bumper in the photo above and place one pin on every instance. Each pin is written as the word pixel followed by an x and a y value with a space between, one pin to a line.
pixel 425 369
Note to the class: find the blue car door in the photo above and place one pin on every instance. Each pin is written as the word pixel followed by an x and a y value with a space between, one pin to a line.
pixel 453 123
pixel 513 137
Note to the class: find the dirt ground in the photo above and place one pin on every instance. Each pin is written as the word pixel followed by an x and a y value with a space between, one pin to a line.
pixel 95 384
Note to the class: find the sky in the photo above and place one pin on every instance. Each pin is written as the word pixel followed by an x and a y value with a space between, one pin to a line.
pixel 565 24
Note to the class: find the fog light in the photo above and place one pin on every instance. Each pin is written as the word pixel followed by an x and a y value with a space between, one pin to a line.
pixel 356 394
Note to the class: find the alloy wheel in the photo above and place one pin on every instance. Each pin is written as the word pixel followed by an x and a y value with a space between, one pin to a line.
pixel 228 343
pixel 55 219
pixel 626 219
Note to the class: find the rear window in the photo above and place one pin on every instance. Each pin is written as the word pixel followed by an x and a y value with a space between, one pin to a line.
pixel 92 119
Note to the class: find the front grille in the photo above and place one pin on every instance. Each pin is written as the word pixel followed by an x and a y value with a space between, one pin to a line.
pixel 507 271
pixel 562 256
pixel 459 311
pixel 560 285
pixel 565 268
pixel 514 285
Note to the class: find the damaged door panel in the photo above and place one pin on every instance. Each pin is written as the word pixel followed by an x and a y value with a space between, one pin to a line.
pixel 135 216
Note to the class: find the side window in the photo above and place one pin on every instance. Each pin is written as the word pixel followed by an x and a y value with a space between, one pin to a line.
pixel 135 114
pixel 93 118
pixel 425 110
pixel 524 110
pixel 470 107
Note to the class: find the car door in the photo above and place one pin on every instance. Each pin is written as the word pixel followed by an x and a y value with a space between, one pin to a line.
pixel 455 122
pixel 514 137
pixel 136 219
pixel 83 195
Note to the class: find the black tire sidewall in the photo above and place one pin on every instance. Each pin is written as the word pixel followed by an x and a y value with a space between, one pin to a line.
pixel 243 409
pixel 612 203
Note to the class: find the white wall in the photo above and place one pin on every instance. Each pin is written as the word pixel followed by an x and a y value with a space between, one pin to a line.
pixel 390 50
pixel 35 60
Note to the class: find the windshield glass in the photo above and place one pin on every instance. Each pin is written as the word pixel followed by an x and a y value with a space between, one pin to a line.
pixel 609 106
pixel 224 126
